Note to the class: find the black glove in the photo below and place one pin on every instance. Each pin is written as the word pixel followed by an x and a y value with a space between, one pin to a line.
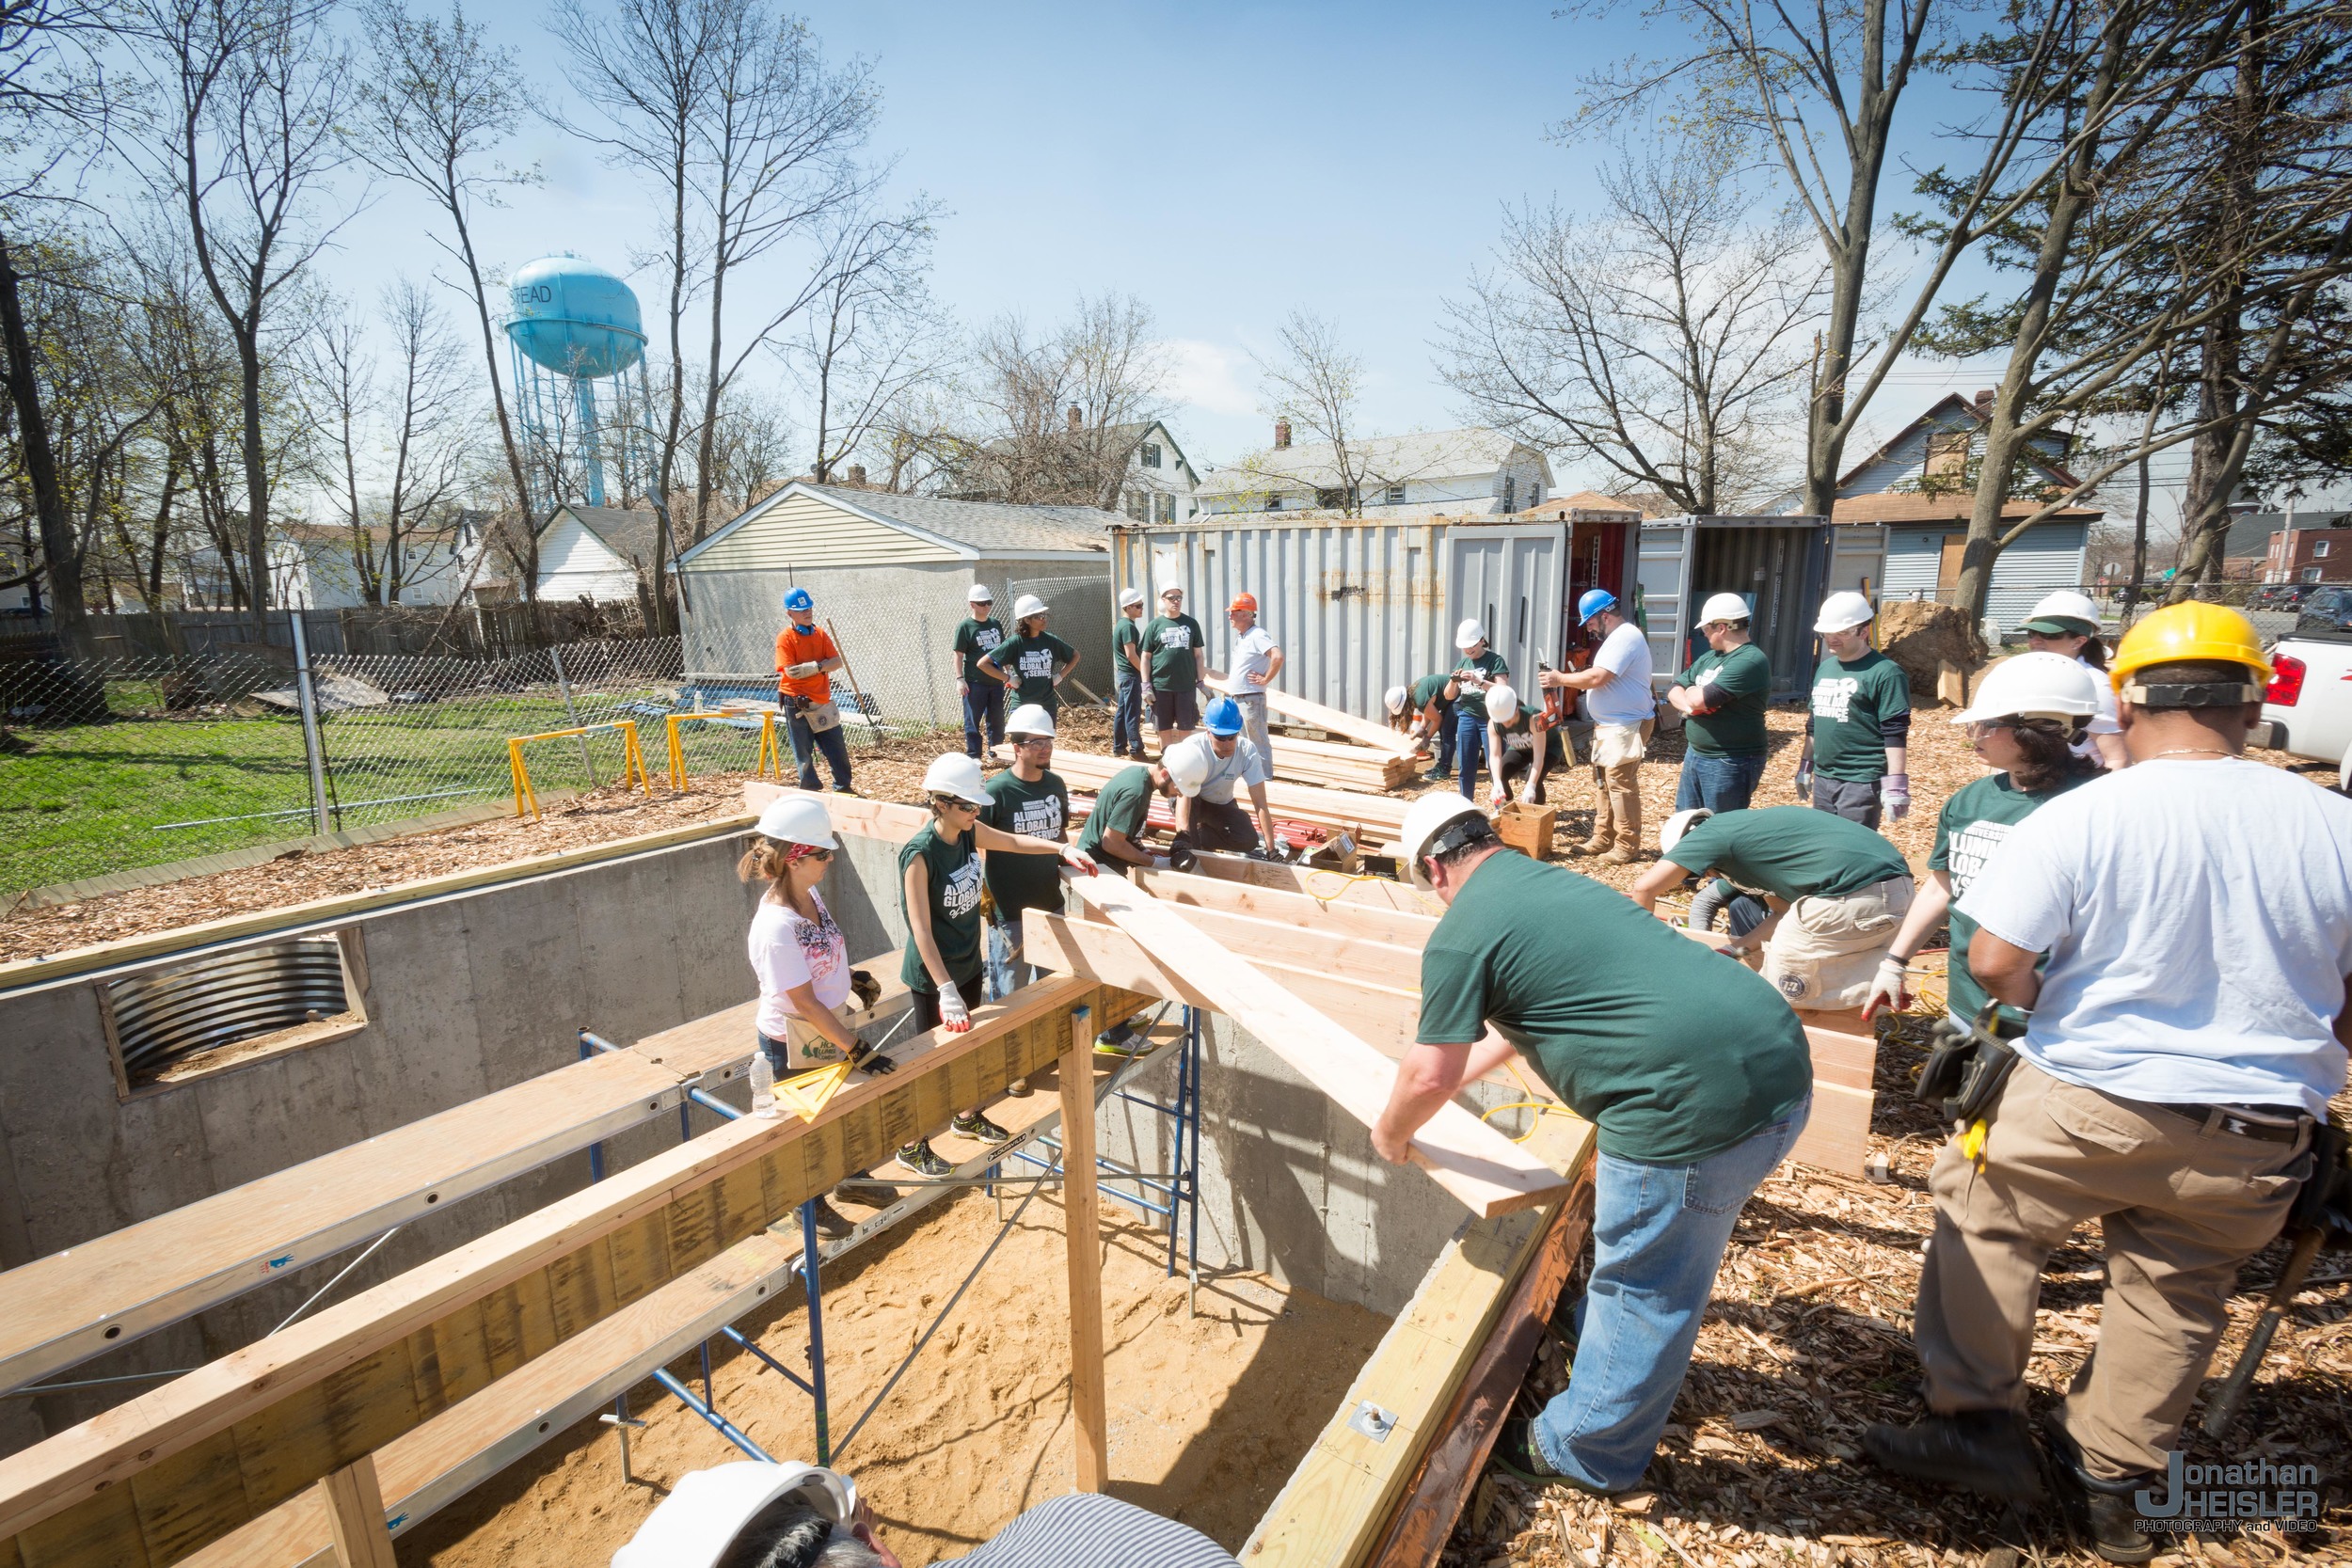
pixel 865 987
pixel 865 1058
pixel 1180 855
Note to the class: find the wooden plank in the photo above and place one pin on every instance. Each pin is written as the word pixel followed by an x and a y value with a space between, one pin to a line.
pixel 182 939
pixel 1342 954
pixel 65 1489
pixel 1320 883
pixel 1082 1225
pixel 1305 911
pixel 1838 1135
pixel 1376 735
pixel 355 1516
pixel 1374 819
pixel 1470 1160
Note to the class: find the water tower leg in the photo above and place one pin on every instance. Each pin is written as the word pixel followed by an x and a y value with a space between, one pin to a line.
pixel 584 392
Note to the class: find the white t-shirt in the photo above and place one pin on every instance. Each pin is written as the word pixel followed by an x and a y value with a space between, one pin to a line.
pixel 1627 697
pixel 788 951
pixel 1253 654
pixel 1245 767
pixel 2106 720
pixel 2198 920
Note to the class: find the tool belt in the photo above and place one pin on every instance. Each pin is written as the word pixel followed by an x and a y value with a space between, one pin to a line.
pixel 1970 1065
pixel 2324 1201
pixel 819 717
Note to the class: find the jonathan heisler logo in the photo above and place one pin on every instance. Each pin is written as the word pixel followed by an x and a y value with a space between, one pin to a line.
pixel 2255 1494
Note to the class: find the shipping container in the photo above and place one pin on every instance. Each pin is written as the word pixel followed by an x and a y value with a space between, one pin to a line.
pixel 1783 565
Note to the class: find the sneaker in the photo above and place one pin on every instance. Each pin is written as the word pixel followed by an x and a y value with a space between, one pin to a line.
pixel 1985 1451
pixel 1018 1088
pixel 918 1158
pixel 979 1126
pixel 863 1189
pixel 832 1223
pixel 2108 1505
pixel 1120 1039
pixel 1516 1452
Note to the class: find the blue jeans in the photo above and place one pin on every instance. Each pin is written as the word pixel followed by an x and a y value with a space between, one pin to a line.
pixel 1445 739
pixel 1127 719
pixel 1658 1235
pixel 1718 780
pixel 983 708
pixel 1470 750
pixel 806 744
pixel 1008 970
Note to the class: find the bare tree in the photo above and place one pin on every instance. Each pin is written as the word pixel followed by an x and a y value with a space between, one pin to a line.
pixel 1060 413
pixel 872 332
pixel 1316 385
pixel 1662 337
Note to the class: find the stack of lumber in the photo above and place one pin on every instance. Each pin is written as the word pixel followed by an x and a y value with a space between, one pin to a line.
pixel 1374 820
pixel 1338 766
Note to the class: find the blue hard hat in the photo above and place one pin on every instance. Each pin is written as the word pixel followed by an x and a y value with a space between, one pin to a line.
pixel 799 598
pixel 1593 603
pixel 1223 717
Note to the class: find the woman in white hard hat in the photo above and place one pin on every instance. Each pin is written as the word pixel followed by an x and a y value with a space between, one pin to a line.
pixel 2068 622
pixel 940 881
pixel 1466 688
pixel 1134 675
pixel 1857 746
pixel 800 956
pixel 2028 712
pixel 978 635
pixel 1033 661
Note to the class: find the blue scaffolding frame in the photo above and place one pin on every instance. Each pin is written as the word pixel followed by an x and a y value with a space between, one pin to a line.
pixel 1179 1191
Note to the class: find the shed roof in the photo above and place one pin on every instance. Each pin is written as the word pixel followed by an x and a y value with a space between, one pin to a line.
pixel 969 528
pixel 1898 506
pixel 628 533
pixel 1393 459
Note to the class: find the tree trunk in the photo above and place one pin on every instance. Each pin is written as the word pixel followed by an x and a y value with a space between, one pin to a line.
pixel 59 546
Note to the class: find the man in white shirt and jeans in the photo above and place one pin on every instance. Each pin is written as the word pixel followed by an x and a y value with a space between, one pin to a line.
pixel 1622 706
pixel 1257 660
pixel 2190 1025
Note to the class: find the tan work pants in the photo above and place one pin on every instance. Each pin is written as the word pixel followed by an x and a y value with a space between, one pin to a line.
pixel 2180 1207
pixel 1617 751
pixel 1822 951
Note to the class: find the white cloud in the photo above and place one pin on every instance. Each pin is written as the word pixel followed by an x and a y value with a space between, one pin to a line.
pixel 1210 376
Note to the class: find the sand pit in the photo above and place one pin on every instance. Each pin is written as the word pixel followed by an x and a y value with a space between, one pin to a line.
pixel 1208 1413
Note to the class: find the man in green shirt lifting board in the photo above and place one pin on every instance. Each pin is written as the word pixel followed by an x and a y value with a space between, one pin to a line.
pixel 1696 1076
pixel 1855 749
pixel 1834 894
pixel 1721 697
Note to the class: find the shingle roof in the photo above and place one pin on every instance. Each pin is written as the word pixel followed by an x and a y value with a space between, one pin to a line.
pixel 1898 506
pixel 626 533
pixel 1390 459
pixel 1584 500
pixel 982 525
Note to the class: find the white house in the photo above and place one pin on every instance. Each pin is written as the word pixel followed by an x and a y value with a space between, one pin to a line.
pixel 1162 483
pixel 596 552
pixel 312 565
pixel 1467 472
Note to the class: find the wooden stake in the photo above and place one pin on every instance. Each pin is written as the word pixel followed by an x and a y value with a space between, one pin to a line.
pixel 1082 1231
pixel 355 1514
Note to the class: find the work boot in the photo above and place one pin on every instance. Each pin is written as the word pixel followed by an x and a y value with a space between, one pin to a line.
pixel 861 1188
pixel 831 1224
pixel 1986 1451
pixel 2113 1516
pixel 1624 854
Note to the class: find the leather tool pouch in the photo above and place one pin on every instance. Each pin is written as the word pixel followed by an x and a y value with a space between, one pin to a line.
pixel 819 717
pixel 2325 1198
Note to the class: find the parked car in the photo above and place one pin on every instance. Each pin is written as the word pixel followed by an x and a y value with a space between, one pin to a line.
pixel 2307 708
pixel 2323 609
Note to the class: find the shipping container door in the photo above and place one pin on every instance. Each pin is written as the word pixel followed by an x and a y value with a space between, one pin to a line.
pixel 1509 578
pixel 1857 560
pixel 1662 576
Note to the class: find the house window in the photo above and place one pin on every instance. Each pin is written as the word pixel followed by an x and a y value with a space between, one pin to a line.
pixel 1274 503
pixel 1331 497
pixel 2311 574
pixel 1138 505
pixel 1150 454
pixel 1947 454
pixel 2319 548
pixel 1396 495
pixel 1510 493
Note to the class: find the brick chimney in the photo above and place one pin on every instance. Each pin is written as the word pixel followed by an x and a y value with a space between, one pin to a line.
pixel 1077 421
pixel 1281 434
pixel 1984 401
pixel 857 474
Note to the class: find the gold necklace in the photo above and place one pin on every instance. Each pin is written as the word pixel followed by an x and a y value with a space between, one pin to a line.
pixel 2194 751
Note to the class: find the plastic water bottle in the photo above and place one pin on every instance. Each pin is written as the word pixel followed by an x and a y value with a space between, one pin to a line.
pixel 763 1085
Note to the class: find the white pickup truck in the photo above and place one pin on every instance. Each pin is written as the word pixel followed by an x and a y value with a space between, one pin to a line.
pixel 2308 707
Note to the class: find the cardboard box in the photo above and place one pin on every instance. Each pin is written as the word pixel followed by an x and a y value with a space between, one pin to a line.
pixel 1526 828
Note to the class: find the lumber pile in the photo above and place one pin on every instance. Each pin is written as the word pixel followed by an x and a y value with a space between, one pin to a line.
pixel 1367 755
pixel 1367 818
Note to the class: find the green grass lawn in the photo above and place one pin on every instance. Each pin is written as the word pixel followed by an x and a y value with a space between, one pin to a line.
pixel 84 800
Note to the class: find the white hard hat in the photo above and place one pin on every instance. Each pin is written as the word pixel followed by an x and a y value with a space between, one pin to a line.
pixel 1168 587
pixel 707 1509
pixel 1724 607
pixel 1027 606
pixel 1842 611
pixel 1503 704
pixel 1425 819
pixel 1030 719
pixel 958 775
pixel 979 594
pixel 1188 764
pixel 2035 686
pixel 1469 635
pixel 1130 596
pixel 1396 699
pixel 1679 823
pixel 796 820
pixel 2067 606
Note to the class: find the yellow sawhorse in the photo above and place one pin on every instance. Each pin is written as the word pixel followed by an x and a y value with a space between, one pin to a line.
pixel 632 760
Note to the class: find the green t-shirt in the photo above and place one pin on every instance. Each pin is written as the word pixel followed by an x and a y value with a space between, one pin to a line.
pixel 1474 702
pixel 1850 702
pixel 1031 662
pixel 973 639
pixel 1974 820
pixel 1041 810
pixel 1428 690
pixel 1127 634
pixel 1791 852
pixel 1125 804
pixel 1744 679
pixel 955 898
pixel 1673 1050
pixel 1174 643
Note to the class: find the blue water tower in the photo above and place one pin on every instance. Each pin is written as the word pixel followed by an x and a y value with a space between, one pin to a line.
pixel 571 325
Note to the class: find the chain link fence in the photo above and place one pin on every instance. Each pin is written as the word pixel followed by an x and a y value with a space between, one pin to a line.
pixel 112 764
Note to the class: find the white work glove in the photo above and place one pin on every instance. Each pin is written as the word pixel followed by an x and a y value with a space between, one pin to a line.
pixel 963 688
pixel 801 671
pixel 1889 990
pixel 954 1016
pixel 1804 778
pixel 1079 861
pixel 1496 797
pixel 1895 796
pixel 1161 863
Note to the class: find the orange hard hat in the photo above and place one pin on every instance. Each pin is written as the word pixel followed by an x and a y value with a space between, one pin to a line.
pixel 1244 601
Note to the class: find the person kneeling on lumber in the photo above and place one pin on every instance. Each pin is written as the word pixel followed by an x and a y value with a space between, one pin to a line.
pixel 1697 1077
pixel 940 880
pixel 1426 715
pixel 757 1513
pixel 1207 815
pixel 1835 894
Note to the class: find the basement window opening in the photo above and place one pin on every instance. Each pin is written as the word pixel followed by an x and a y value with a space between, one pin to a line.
pixel 171 1025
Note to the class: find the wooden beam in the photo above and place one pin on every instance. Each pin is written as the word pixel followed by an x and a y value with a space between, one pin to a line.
pixel 355 1516
pixel 1376 735
pixel 1082 1225
pixel 1477 1165
pixel 1372 819
pixel 1377 921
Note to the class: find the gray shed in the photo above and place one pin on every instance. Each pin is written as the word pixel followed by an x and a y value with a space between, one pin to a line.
pixel 889 573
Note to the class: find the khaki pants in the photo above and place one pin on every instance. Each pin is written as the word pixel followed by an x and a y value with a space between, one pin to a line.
pixel 2179 1207
pixel 1617 751
pixel 1823 951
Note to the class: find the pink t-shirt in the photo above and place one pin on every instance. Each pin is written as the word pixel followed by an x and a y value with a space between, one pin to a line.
pixel 788 951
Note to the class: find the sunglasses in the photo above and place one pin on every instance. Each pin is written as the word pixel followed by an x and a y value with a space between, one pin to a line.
pixel 807 854
pixel 1032 741
pixel 956 802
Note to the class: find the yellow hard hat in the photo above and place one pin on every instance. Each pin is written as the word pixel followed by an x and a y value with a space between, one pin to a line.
pixel 2191 630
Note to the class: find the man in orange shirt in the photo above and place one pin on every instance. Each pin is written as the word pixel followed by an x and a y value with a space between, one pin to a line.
pixel 806 660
